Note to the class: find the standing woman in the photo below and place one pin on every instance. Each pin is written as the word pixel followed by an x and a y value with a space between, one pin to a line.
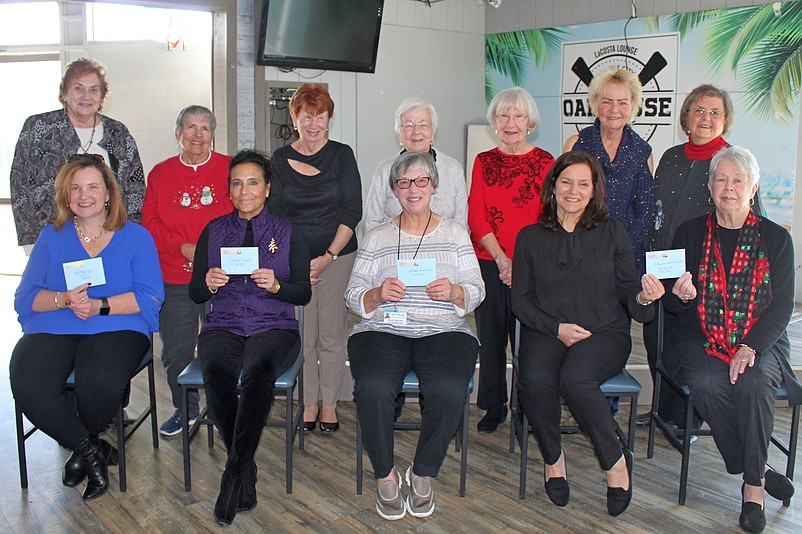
pixel 615 98
pixel 48 139
pixel 574 291
pixel 316 185
pixel 416 126
pixel 101 332
pixel 505 197
pixel 184 193
pixel 251 330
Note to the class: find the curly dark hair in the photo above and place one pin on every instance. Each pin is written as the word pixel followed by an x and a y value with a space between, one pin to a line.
pixel 596 210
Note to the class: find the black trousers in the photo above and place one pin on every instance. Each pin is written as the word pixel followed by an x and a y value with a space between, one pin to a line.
pixel 670 405
pixel 240 413
pixel 495 325
pixel 103 364
pixel 550 370
pixel 740 415
pixel 444 364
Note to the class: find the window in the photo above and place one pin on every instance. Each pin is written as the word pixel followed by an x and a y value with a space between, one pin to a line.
pixel 113 22
pixel 30 23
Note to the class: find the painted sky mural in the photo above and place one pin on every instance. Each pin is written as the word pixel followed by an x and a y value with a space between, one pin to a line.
pixel 755 53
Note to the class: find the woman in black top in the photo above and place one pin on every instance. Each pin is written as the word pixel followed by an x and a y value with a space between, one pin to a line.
pixel 316 185
pixel 573 291
pixel 731 345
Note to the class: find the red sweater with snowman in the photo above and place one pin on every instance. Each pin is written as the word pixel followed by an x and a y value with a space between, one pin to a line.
pixel 180 200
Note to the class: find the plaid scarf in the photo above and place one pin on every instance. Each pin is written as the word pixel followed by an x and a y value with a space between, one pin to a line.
pixel 731 302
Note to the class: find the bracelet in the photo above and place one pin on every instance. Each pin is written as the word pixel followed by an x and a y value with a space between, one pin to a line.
pixel 638 300
pixel 275 287
pixel 212 291
pixel 55 301
pixel 747 347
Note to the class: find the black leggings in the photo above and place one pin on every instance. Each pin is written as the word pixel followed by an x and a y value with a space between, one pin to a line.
pixel 103 364
pixel 240 414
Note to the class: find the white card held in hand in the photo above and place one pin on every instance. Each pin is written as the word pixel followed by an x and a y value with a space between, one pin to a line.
pixel 666 263
pixel 84 271
pixel 416 273
pixel 239 260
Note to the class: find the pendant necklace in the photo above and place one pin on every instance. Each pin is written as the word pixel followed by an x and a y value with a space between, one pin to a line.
pixel 86 238
pixel 91 138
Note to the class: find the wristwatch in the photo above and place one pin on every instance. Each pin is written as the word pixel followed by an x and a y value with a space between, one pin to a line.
pixel 332 254
pixel 104 306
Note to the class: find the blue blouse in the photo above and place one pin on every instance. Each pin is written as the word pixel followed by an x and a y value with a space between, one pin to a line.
pixel 130 263
pixel 630 184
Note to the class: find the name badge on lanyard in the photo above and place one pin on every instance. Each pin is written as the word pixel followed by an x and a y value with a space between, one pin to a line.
pixel 395 317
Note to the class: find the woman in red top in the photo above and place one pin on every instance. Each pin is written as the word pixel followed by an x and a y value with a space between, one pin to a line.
pixel 183 194
pixel 505 197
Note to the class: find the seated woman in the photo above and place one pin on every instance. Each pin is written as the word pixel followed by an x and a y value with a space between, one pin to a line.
pixel 416 324
pixel 102 332
pixel 731 346
pixel 250 327
pixel 574 290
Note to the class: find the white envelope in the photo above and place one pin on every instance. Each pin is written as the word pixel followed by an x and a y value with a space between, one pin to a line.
pixel 83 271
pixel 239 260
pixel 666 263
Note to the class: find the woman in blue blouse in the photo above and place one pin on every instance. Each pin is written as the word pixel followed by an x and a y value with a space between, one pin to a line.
pixel 100 329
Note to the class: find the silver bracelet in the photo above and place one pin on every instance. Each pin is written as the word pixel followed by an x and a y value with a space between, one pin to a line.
pixel 637 299
pixel 55 300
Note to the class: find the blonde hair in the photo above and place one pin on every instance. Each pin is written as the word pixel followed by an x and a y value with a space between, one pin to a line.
pixel 622 77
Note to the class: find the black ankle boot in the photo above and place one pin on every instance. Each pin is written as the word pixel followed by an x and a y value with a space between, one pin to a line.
pixel 96 470
pixel 247 497
pixel 494 417
pixel 109 451
pixel 225 509
pixel 74 471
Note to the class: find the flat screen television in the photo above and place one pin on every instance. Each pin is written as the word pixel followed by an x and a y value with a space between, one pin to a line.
pixel 320 34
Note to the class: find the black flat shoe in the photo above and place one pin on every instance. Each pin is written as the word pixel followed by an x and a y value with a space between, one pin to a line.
pixel 329 428
pixel 493 417
pixel 618 499
pixel 778 486
pixel 557 489
pixel 247 497
pixel 753 518
pixel 225 508
pixel 74 471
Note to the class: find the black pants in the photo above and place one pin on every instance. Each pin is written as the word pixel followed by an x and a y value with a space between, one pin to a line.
pixel 444 364
pixel 103 364
pixel 740 415
pixel 495 325
pixel 240 414
pixel 670 405
pixel 550 370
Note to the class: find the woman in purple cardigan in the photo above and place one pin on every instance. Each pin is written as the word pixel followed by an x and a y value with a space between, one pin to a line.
pixel 250 326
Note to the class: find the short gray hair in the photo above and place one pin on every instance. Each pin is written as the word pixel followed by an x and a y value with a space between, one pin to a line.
pixel 415 103
pixel 515 97
pixel 194 110
pixel 414 160
pixel 741 158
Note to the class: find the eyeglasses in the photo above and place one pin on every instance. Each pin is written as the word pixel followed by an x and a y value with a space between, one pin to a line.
pixel 504 118
pixel 421 125
pixel 405 183
pixel 701 112
pixel 87 158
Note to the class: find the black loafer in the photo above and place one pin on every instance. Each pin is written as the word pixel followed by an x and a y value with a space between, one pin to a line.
pixel 778 486
pixel 493 417
pixel 329 428
pixel 557 489
pixel 618 499
pixel 753 517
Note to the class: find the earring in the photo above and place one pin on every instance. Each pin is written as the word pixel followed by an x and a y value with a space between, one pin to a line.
pixel 496 131
pixel 752 201
pixel 710 201
pixel 295 128
pixel 528 131
pixel 106 205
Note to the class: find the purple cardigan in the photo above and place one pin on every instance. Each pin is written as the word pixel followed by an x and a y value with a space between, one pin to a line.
pixel 240 306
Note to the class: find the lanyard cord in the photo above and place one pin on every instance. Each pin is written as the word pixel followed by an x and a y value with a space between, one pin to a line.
pixel 398 253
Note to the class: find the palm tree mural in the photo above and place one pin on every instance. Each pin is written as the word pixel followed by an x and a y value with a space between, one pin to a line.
pixel 511 54
pixel 763 43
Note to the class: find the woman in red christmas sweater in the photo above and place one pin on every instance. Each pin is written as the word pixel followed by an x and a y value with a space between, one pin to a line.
pixel 505 197
pixel 183 194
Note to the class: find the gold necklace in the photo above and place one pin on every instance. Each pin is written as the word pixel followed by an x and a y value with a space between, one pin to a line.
pixel 86 238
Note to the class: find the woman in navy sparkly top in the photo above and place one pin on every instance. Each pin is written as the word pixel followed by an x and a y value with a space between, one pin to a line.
pixel 626 159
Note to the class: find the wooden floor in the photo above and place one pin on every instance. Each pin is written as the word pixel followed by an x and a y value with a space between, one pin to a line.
pixel 324 497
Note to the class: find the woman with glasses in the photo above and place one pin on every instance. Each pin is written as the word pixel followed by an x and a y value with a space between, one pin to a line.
pixel 316 185
pixel 184 193
pixel 505 197
pixel 681 194
pixel 48 139
pixel 96 322
pixel 414 280
pixel 416 126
